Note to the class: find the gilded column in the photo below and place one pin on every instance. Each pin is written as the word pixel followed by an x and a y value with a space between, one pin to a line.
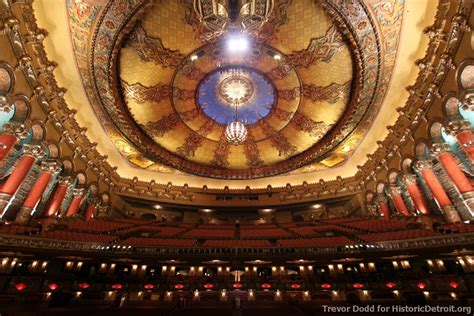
pixel 12 133
pixel 426 170
pixel 48 169
pixel 20 171
pixel 383 205
pixel 91 207
pixel 443 153
pixel 415 193
pixel 396 195
pixel 76 201
pixel 58 196
pixel 461 130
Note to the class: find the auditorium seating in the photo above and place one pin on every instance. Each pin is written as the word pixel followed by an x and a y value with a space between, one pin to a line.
pixel 158 242
pixel 76 236
pixel 215 226
pixel 16 229
pixel 264 233
pixel 301 234
pixel 456 228
pixel 340 220
pixel 379 225
pixel 164 231
pixel 397 235
pixel 209 233
pixel 235 243
pixel 99 226
pixel 316 242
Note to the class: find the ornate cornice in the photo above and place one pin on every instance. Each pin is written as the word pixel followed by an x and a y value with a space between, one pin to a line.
pixel 444 40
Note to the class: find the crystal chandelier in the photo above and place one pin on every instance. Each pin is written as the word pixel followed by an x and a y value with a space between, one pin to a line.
pixel 236 132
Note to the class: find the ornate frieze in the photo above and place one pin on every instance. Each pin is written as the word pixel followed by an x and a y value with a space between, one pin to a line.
pixel 163 125
pixel 152 49
pixel 331 94
pixel 141 94
pixel 319 49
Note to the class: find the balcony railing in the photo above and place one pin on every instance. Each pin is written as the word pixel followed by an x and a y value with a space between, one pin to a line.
pixel 12 242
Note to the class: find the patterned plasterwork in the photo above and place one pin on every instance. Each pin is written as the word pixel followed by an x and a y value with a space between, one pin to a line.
pixel 333 106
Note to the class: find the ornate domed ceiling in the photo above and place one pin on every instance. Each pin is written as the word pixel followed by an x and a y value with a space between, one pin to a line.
pixel 165 85
pixel 185 109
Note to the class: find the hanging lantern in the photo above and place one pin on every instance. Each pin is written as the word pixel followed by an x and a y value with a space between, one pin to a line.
pixel 236 132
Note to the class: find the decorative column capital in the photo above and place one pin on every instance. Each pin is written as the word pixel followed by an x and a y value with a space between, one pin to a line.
pixel 93 201
pixel 36 151
pixel 50 166
pixel 457 125
pixel 78 192
pixel 409 179
pixel 65 181
pixel 440 148
pixel 14 128
pixel 6 106
pixel 382 198
pixel 422 165
pixel 394 190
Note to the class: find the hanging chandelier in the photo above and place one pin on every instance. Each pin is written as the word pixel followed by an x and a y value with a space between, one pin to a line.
pixel 236 132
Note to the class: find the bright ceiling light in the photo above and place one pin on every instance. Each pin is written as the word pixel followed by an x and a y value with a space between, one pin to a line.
pixel 206 210
pixel 238 44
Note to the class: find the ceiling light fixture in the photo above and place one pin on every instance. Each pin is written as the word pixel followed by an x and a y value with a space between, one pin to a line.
pixel 238 44
pixel 236 132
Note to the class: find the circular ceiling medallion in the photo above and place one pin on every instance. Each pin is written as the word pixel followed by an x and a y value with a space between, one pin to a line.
pixel 236 93
pixel 236 89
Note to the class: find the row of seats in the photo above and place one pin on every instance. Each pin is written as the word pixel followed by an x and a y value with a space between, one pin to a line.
pixel 340 220
pixel 318 229
pixel 76 236
pixel 235 243
pixel 99 226
pixel 158 242
pixel 16 229
pixel 164 231
pixel 315 242
pixel 209 233
pixel 215 226
pixel 259 226
pixel 397 235
pixel 379 225
pixel 456 228
pixel 264 233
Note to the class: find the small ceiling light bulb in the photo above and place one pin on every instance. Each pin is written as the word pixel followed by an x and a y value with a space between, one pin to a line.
pixel 277 57
pixel 194 57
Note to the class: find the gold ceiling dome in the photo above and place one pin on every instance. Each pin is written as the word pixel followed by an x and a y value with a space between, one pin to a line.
pixel 310 82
